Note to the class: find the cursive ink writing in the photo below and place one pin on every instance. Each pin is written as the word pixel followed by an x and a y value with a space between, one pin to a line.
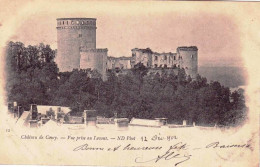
pixel 85 147
pixel 218 145
pixel 130 147
pixel 171 153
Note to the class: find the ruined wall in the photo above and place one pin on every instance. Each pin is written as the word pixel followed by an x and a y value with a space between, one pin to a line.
pixel 119 62
pixel 186 57
pixel 164 60
pixel 142 56
pixel 76 38
pixel 71 34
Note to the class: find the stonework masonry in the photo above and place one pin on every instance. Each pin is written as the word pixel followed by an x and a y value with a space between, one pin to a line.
pixel 94 59
pixel 186 57
pixel 72 33
pixel 119 62
pixel 76 38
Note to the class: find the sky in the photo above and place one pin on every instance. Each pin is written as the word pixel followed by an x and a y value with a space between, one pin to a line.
pixel 122 27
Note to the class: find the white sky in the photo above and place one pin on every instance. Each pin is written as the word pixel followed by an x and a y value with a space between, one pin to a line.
pixel 161 26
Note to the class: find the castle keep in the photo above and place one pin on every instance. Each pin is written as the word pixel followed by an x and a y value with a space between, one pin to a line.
pixel 76 38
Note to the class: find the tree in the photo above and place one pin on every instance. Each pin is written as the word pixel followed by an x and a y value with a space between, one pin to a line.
pixel 33 77
pixel 29 79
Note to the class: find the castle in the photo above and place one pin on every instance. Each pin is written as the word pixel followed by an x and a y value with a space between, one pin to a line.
pixel 76 38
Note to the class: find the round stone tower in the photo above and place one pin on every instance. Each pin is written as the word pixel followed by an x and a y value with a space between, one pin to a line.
pixel 188 57
pixel 72 33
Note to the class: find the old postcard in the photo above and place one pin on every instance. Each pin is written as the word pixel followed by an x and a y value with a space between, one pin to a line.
pixel 130 83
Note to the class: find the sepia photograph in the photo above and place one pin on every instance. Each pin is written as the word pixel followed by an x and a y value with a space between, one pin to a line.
pixel 154 83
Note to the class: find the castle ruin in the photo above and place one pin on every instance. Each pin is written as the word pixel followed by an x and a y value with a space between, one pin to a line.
pixel 76 38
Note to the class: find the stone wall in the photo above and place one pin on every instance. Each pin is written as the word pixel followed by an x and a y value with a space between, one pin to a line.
pixel 71 34
pixel 76 40
pixel 164 60
pixel 94 59
pixel 186 57
pixel 189 60
pixel 119 62
pixel 143 56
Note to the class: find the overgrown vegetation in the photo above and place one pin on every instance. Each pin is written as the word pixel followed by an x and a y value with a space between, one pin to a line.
pixel 33 77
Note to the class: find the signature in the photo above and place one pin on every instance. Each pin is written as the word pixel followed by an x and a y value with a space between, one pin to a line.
pixel 171 153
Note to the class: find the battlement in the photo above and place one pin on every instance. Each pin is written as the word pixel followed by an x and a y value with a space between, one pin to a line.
pixel 85 49
pixel 83 18
pixel 187 48
pixel 63 23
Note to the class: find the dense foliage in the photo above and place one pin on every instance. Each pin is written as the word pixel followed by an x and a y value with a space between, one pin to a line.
pixel 33 77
